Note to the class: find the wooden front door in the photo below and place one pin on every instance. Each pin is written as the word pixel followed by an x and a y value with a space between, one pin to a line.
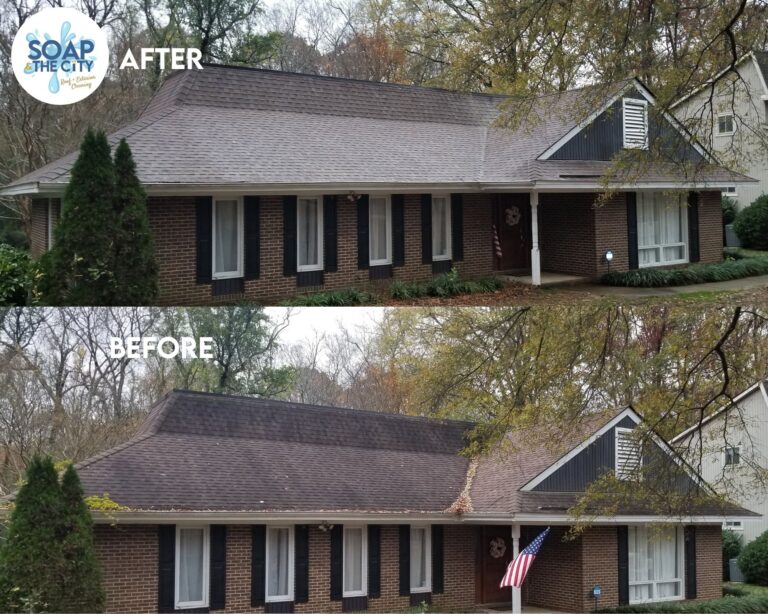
pixel 512 223
pixel 494 554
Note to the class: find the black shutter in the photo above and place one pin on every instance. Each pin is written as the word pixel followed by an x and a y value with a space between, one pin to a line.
pixel 258 563
pixel 622 535
pixel 632 230
pixel 302 564
pixel 330 234
pixel 405 560
pixel 374 560
pixel 363 245
pixel 398 230
pixel 289 235
pixel 457 227
pixel 337 562
pixel 437 558
pixel 218 566
pixel 166 571
pixel 204 238
pixel 252 223
pixel 426 228
pixel 690 562
pixel 694 254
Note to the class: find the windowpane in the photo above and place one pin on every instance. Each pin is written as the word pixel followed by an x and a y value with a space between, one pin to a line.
pixel 378 228
pixel 353 560
pixel 309 232
pixel 654 564
pixel 725 124
pixel 661 229
pixel 440 228
pixel 191 553
pixel 227 237
pixel 278 562
pixel 418 557
pixel 732 456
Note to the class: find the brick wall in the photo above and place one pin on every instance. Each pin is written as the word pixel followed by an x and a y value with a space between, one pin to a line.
pixel 709 566
pixel 710 227
pixel 610 219
pixel 600 561
pixel 38 239
pixel 555 579
pixel 567 233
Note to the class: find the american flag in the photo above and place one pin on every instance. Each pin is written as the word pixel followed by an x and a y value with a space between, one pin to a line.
pixel 519 567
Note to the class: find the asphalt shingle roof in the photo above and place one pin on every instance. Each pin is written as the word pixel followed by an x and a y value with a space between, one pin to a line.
pixel 235 126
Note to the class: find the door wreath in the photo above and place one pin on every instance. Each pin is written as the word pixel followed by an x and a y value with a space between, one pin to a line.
pixel 498 547
pixel 512 216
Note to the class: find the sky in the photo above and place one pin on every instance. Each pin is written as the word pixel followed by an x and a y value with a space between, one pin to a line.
pixel 307 321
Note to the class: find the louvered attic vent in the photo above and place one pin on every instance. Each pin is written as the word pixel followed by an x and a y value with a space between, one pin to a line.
pixel 628 454
pixel 635 124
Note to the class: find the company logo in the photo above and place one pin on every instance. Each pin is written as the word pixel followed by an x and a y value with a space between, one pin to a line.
pixel 60 56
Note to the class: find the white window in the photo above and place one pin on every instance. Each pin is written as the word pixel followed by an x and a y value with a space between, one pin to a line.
pixel 441 228
pixel 309 228
pixel 355 562
pixel 227 238
pixel 725 124
pixel 655 564
pixel 635 124
pixel 192 564
pixel 279 571
pixel 730 191
pixel 733 525
pixel 662 229
pixel 628 454
pixel 421 560
pixel 731 456
pixel 380 230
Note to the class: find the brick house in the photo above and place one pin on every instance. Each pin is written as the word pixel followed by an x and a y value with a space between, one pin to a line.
pixel 263 184
pixel 246 505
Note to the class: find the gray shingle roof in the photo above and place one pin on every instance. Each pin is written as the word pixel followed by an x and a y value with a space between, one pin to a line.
pixel 235 126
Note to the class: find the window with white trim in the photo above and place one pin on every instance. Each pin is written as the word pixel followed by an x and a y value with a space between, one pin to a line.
pixel 227 238
pixel 635 113
pixel 733 525
pixel 731 456
pixel 279 564
pixel 421 559
pixel 441 227
pixel 662 229
pixel 309 233
pixel 629 454
pixel 730 191
pixel 655 563
pixel 192 563
pixel 380 230
pixel 725 125
pixel 355 561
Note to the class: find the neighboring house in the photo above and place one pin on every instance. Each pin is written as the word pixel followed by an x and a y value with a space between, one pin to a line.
pixel 263 184
pixel 733 122
pixel 249 505
pixel 731 449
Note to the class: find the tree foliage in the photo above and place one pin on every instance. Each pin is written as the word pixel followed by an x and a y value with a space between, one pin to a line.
pixel 752 224
pixel 753 561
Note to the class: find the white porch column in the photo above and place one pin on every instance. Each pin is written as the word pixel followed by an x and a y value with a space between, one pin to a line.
pixel 517 602
pixel 535 255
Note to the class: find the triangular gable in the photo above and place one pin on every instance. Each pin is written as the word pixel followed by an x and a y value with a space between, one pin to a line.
pixel 600 135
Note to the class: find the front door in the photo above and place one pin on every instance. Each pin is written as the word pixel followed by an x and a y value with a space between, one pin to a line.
pixel 494 554
pixel 512 232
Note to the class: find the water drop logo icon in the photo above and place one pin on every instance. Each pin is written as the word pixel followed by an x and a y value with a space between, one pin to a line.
pixel 60 56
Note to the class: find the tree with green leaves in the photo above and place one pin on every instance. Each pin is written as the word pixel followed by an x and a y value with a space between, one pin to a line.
pixel 31 558
pixel 135 266
pixel 79 270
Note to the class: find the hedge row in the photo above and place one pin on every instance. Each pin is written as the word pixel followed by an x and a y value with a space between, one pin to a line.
pixel 752 602
pixel 693 274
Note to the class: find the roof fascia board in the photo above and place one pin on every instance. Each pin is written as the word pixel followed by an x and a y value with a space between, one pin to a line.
pixel 712 80
pixel 556 186
pixel 627 413
pixel 764 390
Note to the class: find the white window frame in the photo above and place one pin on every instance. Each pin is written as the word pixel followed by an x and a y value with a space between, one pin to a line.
pixel 727 192
pixel 428 551
pixel 618 431
pixel 680 579
pixel 636 102
pixel 240 239
pixel 291 562
pixel 717 124
pixel 364 560
pixel 725 456
pixel 388 207
pixel 660 247
pixel 50 223
pixel 180 605
pixel 321 234
pixel 449 228
pixel 733 525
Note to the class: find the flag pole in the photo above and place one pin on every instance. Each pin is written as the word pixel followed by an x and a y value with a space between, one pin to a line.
pixel 516 605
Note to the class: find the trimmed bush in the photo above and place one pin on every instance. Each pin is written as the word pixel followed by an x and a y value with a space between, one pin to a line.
pixel 753 561
pixel 729 210
pixel 445 285
pixel 755 602
pixel 339 298
pixel 751 224
pixel 692 274
pixel 17 276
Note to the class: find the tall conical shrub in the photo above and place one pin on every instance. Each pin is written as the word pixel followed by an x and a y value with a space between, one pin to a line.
pixel 31 557
pixel 82 590
pixel 135 267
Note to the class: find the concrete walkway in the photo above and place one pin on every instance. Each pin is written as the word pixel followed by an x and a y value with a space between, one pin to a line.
pixel 733 285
